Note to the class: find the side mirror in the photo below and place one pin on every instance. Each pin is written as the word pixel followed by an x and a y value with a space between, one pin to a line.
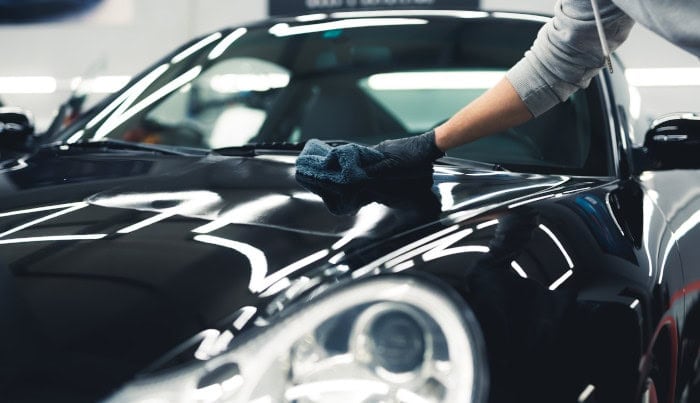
pixel 16 129
pixel 672 142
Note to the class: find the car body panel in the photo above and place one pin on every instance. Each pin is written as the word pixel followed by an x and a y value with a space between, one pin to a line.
pixel 172 240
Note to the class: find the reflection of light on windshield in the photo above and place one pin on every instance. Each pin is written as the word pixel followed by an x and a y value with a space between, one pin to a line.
pixel 194 48
pixel 221 47
pixel 561 280
pixel 127 98
pixel 634 303
pixel 230 83
pixel 396 13
pixel 117 119
pixel 434 80
pixel 283 29
pixel 75 137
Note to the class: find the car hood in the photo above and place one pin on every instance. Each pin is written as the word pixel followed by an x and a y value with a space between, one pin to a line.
pixel 109 260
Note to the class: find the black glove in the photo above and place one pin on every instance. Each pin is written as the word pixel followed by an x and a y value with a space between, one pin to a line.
pixel 406 154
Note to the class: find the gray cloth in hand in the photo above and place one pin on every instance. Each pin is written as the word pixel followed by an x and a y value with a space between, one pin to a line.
pixel 345 164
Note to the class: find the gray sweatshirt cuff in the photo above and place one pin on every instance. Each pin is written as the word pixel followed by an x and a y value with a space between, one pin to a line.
pixel 532 89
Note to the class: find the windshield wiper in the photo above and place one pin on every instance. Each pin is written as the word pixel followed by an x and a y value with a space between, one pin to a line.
pixel 111 144
pixel 252 149
pixel 488 166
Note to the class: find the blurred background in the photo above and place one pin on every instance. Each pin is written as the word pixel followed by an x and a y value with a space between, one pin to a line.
pixel 51 47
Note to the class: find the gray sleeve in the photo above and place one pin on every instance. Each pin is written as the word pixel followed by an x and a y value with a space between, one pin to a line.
pixel 567 53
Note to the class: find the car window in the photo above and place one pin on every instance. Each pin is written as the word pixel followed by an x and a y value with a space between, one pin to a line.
pixel 363 85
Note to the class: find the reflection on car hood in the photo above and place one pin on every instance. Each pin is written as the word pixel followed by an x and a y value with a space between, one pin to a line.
pixel 109 261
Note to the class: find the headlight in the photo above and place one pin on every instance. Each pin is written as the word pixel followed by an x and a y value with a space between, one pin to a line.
pixel 389 339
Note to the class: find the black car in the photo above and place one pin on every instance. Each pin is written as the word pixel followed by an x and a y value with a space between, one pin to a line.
pixel 162 247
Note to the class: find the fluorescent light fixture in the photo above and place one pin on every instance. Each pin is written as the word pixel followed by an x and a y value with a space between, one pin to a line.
pixel 521 16
pixel 231 83
pixel 635 102
pixel 28 85
pixel 106 84
pixel 435 80
pixel 664 77
pixel 284 29
pixel 398 13
pixel 194 48
pixel 221 47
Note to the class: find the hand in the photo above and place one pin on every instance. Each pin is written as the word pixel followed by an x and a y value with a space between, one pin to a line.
pixel 408 153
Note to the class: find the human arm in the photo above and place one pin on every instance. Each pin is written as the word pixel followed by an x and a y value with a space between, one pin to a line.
pixel 565 57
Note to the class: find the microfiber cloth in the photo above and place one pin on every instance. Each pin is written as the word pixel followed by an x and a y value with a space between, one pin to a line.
pixel 345 164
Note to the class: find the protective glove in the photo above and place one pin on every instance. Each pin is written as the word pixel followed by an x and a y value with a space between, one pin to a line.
pixel 406 154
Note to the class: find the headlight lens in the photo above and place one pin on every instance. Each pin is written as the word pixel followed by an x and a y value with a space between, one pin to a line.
pixel 387 339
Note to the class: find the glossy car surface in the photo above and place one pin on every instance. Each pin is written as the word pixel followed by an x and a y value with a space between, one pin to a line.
pixel 162 247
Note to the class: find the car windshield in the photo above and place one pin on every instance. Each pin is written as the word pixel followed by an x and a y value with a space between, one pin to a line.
pixel 360 80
